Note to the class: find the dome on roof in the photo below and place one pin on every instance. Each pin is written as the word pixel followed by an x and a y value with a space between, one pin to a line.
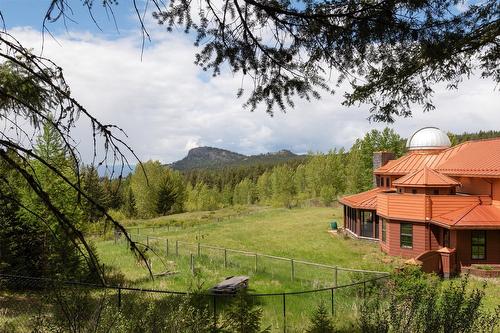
pixel 428 138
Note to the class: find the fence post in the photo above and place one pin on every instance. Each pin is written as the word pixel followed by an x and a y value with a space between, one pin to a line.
pixel 292 269
pixel 256 263
pixel 192 263
pixel 199 249
pixel 166 241
pixel 225 258
pixel 119 297
pixel 284 313
pixel 335 277
pixel 215 312
pixel 333 307
pixel 177 248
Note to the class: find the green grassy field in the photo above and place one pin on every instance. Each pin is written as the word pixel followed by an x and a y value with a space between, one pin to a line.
pixel 299 233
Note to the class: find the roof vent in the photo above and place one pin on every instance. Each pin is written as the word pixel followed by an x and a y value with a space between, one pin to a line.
pixel 428 138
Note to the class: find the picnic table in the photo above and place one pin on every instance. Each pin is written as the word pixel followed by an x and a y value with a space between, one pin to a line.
pixel 231 285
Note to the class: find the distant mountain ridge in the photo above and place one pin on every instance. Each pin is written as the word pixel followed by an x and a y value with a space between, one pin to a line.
pixel 215 158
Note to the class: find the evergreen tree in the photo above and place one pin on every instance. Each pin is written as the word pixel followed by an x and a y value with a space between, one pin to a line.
pixel 157 190
pixel 128 207
pixel 59 255
pixel 242 316
pixel 321 321
pixel 92 185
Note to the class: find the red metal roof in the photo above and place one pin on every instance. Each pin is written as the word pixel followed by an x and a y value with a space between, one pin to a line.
pixel 475 158
pixel 479 158
pixel 411 162
pixel 425 177
pixel 363 200
pixel 475 216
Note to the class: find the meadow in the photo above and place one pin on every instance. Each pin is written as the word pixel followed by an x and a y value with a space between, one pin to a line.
pixel 299 233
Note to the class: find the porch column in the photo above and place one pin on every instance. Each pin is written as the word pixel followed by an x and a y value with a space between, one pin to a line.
pixel 374 235
pixel 448 258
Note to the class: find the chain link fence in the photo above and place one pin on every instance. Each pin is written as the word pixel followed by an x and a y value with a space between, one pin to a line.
pixel 29 304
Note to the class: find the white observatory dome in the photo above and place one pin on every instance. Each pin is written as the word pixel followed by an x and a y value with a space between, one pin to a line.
pixel 428 138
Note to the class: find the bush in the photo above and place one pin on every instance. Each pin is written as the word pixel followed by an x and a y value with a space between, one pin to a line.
pixel 418 302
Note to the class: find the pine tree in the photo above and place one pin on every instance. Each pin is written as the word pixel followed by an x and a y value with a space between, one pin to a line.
pixel 93 187
pixel 321 321
pixel 59 255
pixel 128 207
pixel 242 316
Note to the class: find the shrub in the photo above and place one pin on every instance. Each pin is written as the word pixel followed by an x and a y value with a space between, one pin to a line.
pixel 418 302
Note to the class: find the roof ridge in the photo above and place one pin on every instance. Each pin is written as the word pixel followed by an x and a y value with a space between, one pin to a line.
pixel 473 206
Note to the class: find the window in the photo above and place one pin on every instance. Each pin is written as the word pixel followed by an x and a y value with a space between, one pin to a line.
pixel 384 229
pixel 478 244
pixel 367 224
pixel 388 182
pixel 436 192
pixel 414 191
pixel 382 182
pixel 406 235
pixel 446 238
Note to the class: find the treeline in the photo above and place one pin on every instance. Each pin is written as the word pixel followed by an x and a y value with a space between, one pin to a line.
pixel 459 138
pixel 321 177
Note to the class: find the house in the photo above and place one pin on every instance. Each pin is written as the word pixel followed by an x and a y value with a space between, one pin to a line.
pixel 438 204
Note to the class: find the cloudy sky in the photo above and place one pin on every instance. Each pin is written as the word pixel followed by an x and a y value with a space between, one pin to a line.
pixel 167 105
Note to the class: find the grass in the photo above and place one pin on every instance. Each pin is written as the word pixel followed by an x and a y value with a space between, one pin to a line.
pixel 299 233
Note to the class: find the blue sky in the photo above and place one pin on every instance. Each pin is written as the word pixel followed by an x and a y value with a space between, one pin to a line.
pixel 31 13
pixel 167 105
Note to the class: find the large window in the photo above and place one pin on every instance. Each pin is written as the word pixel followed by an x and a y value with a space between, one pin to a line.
pixel 478 244
pixel 384 229
pixel 367 224
pixel 406 235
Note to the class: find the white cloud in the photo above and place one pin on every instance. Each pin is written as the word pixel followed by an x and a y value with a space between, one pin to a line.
pixel 166 106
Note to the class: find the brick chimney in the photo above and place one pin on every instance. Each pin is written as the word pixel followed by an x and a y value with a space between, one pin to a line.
pixel 380 158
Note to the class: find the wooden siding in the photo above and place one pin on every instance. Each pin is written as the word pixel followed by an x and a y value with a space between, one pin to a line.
pixel 400 206
pixel 392 244
pixel 435 236
pixel 463 247
pixel 474 186
pixel 431 261
pixel 421 207
pixel 496 191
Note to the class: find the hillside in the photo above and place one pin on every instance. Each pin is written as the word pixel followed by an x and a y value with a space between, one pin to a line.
pixel 216 158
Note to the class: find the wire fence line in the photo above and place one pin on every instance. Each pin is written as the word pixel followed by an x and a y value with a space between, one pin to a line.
pixel 170 247
pixel 280 306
